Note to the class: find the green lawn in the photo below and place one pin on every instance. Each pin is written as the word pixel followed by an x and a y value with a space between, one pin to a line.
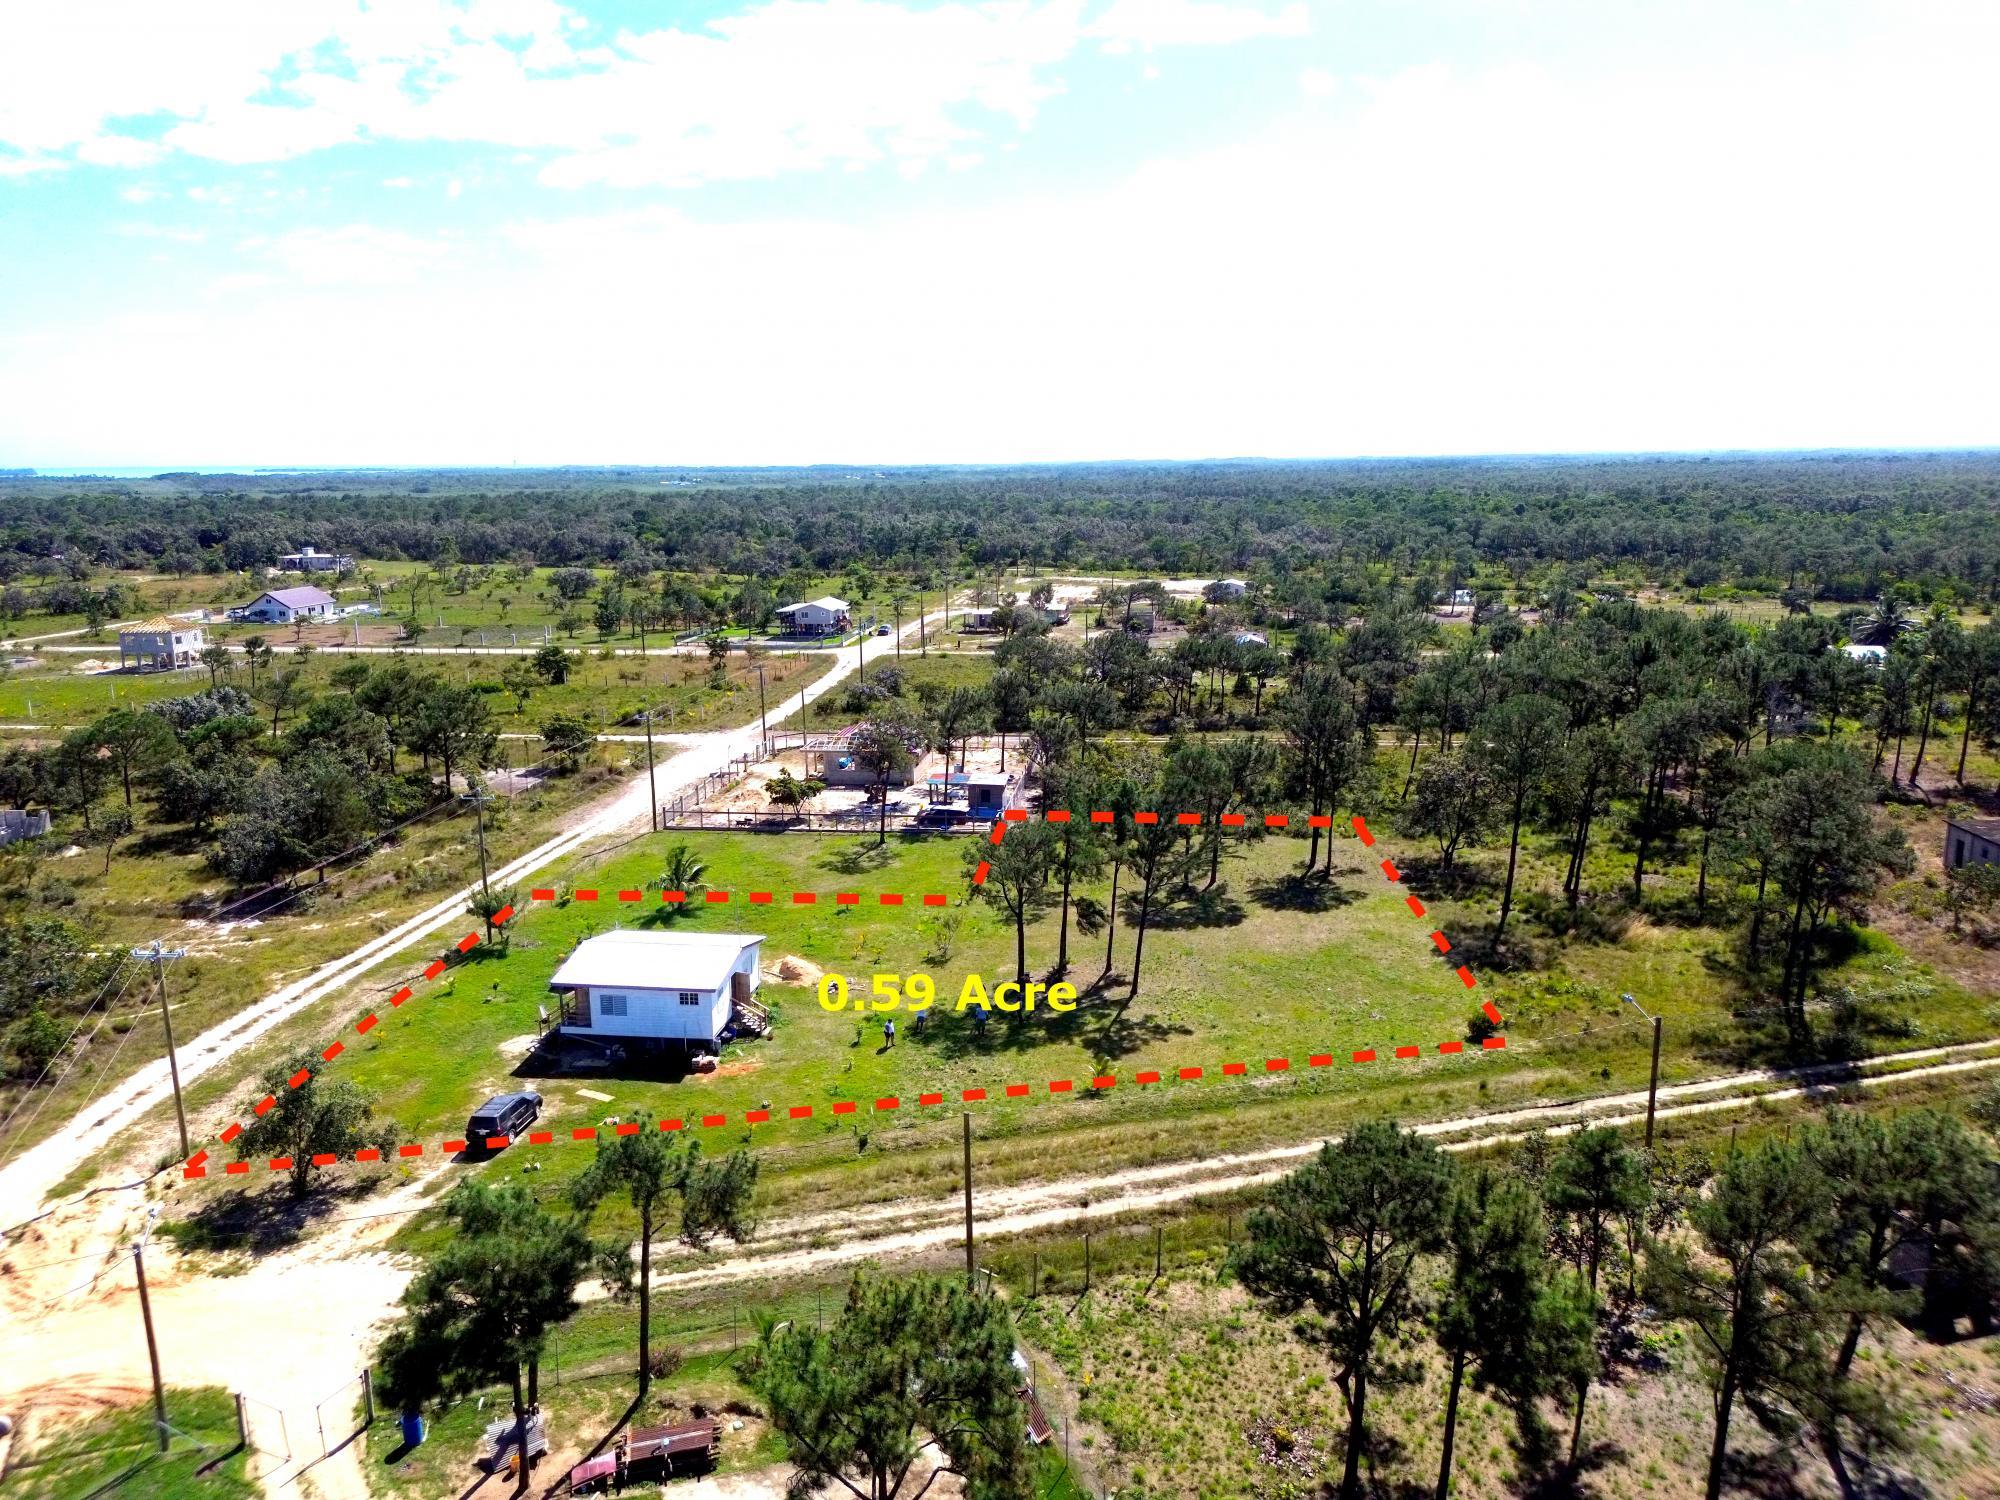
pixel 1269 970
pixel 1259 982
pixel 603 690
pixel 116 1455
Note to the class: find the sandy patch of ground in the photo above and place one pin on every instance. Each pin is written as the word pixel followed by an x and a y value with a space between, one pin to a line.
pixel 792 969
pixel 520 1046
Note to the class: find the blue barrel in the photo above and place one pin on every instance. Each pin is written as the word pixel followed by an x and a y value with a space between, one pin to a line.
pixel 413 1428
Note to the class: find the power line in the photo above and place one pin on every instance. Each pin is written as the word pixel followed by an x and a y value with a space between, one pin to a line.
pixel 113 974
pixel 49 1094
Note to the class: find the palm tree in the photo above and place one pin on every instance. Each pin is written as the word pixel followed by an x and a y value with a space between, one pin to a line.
pixel 1889 618
pixel 684 871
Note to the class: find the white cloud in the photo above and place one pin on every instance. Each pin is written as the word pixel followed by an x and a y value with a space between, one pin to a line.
pixel 119 151
pixel 1502 260
pixel 26 166
pixel 1192 23
pixel 1317 83
pixel 352 255
pixel 786 85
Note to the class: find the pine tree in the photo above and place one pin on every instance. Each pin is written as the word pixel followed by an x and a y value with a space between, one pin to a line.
pixel 1342 1235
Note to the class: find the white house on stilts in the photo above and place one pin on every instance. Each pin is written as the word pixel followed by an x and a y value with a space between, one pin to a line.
pixel 679 991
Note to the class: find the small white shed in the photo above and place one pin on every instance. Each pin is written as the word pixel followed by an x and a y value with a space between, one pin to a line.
pixel 681 989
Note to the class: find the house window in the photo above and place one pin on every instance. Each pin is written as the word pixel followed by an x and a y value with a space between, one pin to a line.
pixel 692 997
pixel 611 1005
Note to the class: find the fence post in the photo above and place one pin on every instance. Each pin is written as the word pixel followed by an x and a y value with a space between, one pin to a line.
pixel 1157 1233
pixel 368 1394
pixel 1086 1260
pixel 1035 1284
pixel 242 1422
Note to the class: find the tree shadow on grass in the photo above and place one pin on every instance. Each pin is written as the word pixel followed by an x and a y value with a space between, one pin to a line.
pixel 1564 1481
pixel 1300 893
pixel 1384 1459
pixel 1427 875
pixel 860 857
pixel 1181 913
pixel 1113 1031
pixel 1774 1474
pixel 260 1222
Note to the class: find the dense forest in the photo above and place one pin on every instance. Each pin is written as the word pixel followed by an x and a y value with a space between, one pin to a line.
pixel 1846 526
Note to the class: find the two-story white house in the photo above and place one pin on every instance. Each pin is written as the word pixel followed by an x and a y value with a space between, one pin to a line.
pixel 159 645
pixel 282 606
pixel 675 990
pixel 823 616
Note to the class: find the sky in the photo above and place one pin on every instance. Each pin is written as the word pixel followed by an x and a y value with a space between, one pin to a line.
pixel 439 232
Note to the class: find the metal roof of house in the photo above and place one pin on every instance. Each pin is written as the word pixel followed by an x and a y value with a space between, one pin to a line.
pixel 302 597
pixel 825 601
pixel 1985 828
pixel 655 960
pixel 155 625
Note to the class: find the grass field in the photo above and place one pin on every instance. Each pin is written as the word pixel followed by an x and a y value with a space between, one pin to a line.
pixel 602 690
pixel 1270 969
pixel 154 880
pixel 1258 981
pixel 115 1454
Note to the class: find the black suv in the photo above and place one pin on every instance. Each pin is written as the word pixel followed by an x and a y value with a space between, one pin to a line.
pixel 503 1114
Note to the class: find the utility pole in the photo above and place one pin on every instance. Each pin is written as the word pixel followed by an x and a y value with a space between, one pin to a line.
pixel 923 634
pixel 652 786
pixel 1653 1086
pixel 763 717
pixel 152 1343
pixel 157 957
pixel 899 632
pixel 971 1265
pixel 479 797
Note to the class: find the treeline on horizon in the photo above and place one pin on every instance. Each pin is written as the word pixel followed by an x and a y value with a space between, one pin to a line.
pixel 1844 526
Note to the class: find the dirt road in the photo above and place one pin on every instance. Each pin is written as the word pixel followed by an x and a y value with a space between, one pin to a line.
pixel 26 1179
pixel 294 1329
pixel 886 1231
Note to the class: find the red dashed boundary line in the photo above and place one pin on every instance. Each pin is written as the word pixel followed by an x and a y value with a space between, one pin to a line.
pixel 196 1166
pixel 755 898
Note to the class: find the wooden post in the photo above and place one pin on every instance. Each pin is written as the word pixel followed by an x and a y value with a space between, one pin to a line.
pixel 1086 1260
pixel 971 1264
pixel 1158 1234
pixel 242 1423
pixel 152 1344
pixel 368 1394
pixel 1653 1088
pixel 1035 1277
